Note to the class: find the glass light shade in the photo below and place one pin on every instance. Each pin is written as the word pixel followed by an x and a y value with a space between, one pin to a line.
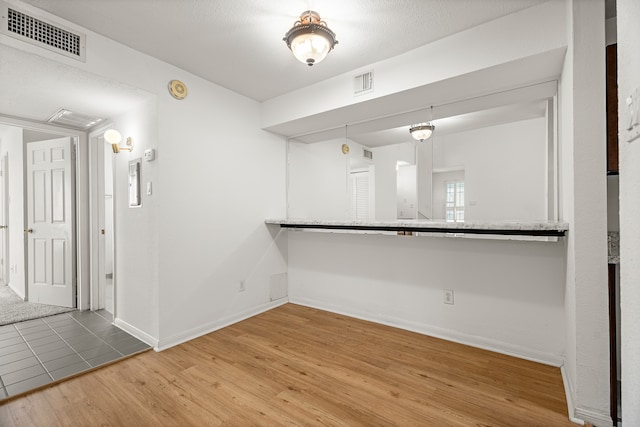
pixel 310 39
pixel 421 131
pixel 112 136
pixel 310 48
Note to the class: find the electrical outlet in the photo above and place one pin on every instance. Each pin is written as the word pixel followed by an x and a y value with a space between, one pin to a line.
pixel 448 296
pixel 243 286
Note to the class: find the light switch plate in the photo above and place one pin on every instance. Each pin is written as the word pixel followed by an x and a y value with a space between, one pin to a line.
pixel 149 154
pixel 633 125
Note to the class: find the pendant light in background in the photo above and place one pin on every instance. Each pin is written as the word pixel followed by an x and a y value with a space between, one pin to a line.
pixel 422 131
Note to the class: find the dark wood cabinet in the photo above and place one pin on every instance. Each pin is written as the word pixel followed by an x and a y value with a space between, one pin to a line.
pixel 612 109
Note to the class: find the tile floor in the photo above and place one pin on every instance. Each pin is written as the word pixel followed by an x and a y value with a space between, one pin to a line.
pixel 41 351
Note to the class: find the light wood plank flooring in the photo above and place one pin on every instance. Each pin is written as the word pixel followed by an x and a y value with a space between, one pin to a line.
pixel 299 366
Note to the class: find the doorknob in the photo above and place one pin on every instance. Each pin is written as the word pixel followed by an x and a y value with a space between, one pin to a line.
pixel 102 231
pixel 2 227
pixel 29 230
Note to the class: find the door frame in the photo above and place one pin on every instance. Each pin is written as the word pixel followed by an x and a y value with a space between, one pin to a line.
pixel 4 206
pixel 79 144
pixel 96 146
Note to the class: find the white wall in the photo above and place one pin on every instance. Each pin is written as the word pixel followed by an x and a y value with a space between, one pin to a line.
pixel 318 180
pixel 628 80
pixel 583 206
pixel 32 135
pixel 220 178
pixel 505 172
pixel 136 236
pixel 385 159
pixel 11 142
pixel 566 211
pixel 508 295
pixel 407 192
pixel 425 179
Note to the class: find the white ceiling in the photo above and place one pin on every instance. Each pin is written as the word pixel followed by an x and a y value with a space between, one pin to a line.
pixel 33 87
pixel 458 123
pixel 238 43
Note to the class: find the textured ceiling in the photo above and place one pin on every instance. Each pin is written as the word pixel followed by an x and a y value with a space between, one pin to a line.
pixel 33 87
pixel 238 43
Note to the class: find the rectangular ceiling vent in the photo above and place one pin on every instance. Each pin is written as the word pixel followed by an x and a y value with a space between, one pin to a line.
pixel 70 119
pixel 37 31
pixel 363 83
pixel 368 154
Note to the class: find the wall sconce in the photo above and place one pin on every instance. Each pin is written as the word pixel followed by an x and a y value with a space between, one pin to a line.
pixel 113 137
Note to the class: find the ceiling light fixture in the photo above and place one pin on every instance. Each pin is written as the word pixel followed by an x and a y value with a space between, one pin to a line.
pixel 422 131
pixel 310 39
pixel 113 137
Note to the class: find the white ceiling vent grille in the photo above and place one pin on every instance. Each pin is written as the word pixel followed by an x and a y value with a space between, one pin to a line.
pixel 68 118
pixel 363 83
pixel 30 29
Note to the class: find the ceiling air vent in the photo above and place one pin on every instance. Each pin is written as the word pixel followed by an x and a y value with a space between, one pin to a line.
pixel 36 31
pixel 363 83
pixel 68 118
pixel 367 154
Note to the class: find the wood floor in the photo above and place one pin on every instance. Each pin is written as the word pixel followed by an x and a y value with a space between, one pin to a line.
pixel 299 366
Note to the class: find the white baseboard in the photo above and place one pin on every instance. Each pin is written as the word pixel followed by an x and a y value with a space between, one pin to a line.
pixel 579 415
pixel 19 292
pixel 132 330
pixel 568 392
pixel 190 334
pixel 446 334
pixel 596 418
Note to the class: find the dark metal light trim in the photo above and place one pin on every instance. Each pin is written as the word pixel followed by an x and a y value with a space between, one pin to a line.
pixel 421 127
pixel 309 23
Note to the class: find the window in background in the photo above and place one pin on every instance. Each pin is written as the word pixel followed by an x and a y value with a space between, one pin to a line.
pixel 454 204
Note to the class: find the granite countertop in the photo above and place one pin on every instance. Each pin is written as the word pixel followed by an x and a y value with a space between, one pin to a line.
pixel 478 227
pixel 613 247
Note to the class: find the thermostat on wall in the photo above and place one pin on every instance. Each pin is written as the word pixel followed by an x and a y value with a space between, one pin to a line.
pixel 149 154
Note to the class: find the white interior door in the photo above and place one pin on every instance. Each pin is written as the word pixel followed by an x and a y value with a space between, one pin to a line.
pixel 108 215
pixel 50 219
pixel 104 172
pixel 360 194
pixel 4 220
pixel 100 175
